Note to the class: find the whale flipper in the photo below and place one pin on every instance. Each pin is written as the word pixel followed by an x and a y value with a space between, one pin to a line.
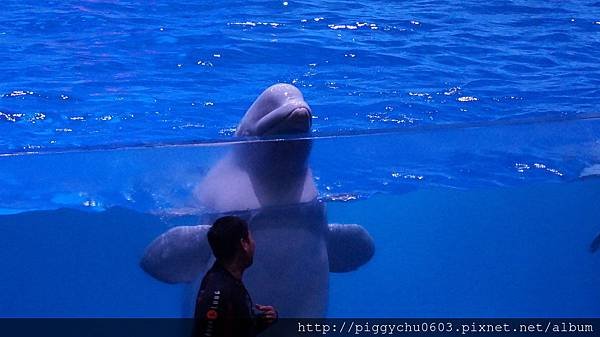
pixel 179 255
pixel 590 172
pixel 349 246
pixel 595 245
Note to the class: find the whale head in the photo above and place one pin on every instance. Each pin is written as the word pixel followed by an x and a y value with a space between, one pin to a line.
pixel 279 110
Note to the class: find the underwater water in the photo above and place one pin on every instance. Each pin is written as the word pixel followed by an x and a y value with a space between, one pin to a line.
pixel 515 244
pixel 496 252
pixel 464 138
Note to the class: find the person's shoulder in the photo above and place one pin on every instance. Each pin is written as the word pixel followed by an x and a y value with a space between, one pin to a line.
pixel 217 279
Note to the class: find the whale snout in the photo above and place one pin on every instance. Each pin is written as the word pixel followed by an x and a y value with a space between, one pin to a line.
pixel 279 110
pixel 299 120
pixel 289 119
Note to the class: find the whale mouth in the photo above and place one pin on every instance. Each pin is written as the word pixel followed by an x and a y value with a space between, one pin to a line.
pixel 296 121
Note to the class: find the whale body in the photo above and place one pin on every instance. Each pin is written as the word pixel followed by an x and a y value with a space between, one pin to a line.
pixel 268 183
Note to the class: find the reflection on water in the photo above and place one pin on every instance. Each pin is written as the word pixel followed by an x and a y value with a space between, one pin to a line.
pixel 162 179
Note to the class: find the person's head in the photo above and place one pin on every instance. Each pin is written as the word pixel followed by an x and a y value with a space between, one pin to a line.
pixel 230 239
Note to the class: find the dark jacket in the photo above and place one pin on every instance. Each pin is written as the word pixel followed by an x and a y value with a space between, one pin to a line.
pixel 224 307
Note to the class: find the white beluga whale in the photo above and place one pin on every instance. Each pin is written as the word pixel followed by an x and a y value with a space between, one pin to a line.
pixel 268 183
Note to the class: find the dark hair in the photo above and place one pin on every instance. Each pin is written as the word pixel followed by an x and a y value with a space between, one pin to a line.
pixel 224 236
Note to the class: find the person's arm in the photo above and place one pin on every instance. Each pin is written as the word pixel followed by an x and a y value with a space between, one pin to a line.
pixel 214 315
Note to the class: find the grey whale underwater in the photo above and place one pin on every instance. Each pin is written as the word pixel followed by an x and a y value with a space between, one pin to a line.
pixel 270 184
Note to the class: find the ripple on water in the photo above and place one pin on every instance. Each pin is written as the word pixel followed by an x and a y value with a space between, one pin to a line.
pixel 360 65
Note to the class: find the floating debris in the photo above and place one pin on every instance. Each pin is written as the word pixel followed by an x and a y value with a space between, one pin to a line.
pixel 204 63
pixel 254 24
pixel 11 117
pixel 343 197
pixel 227 131
pixel 467 99
pixel 407 176
pixel 17 93
pixel 522 167
pixel 452 91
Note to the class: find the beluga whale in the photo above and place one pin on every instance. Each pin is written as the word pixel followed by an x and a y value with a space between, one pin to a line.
pixel 268 182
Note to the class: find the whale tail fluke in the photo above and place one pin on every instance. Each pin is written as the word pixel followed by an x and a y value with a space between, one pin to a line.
pixel 179 255
pixel 349 246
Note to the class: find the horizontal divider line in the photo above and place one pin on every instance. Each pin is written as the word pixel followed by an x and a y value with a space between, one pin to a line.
pixel 314 135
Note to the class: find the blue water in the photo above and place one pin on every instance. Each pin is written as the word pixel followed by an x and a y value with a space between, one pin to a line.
pixel 463 137
pixel 103 72
pixel 485 240
pixel 519 252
